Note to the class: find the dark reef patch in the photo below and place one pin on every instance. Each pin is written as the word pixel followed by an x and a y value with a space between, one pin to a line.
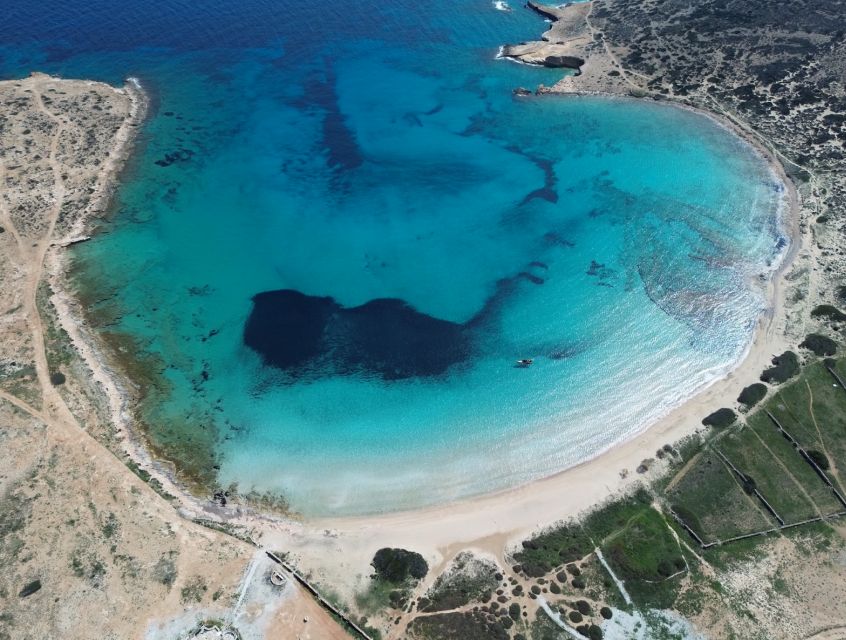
pixel 338 138
pixel 339 141
pixel 180 155
pixel 530 277
pixel 386 337
pixel 308 337
pixel 555 239
pixel 550 180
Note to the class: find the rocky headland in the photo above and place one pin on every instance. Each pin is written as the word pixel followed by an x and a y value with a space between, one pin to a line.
pixel 775 75
pixel 562 45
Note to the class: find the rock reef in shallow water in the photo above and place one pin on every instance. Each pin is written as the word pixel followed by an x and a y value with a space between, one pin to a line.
pixel 314 336
pixel 387 337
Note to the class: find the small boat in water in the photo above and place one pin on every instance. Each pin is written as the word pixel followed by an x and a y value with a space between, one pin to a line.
pixel 526 362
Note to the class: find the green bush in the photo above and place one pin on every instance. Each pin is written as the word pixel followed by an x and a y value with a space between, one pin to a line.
pixel 30 588
pixel 583 607
pixel 575 616
pixel 644 550
pixel 819 458
pixel 579 583
pixel 514 611
pixel 720 419
pixel 749 485
pixel 753 394
pixel 165 571
pixel 594 632
pixel 785 367
pixel 57 378
pixel 664 568
pixel 828 311
pixel 606 613
pixel 821 345
pixel 194 590
pixel 397 565
pixel 552 548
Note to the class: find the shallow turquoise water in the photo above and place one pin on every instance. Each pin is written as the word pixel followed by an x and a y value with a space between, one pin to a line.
pixel 376 151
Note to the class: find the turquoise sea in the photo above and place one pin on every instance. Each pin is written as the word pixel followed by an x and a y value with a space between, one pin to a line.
pixel 340 230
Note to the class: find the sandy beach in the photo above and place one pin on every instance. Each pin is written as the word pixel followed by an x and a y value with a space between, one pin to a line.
pixel 495 524
pixel 743 536
pixel 340 547
pixel 492 524
pixel 337 549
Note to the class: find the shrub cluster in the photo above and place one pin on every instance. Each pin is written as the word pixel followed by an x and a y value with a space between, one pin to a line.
pixel 30 588
pixel 749 485
pixel 828 311
pixel 721 418
pixel 753 394
pixel 784 367
pixel 819 459
pixel 397 565
pixel 821 345
pixel 552 548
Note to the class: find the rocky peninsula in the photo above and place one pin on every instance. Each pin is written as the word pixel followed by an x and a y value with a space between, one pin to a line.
pixel 563 45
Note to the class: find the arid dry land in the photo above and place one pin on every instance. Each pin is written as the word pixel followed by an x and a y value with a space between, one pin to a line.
pixel 725 520
pixel 87 548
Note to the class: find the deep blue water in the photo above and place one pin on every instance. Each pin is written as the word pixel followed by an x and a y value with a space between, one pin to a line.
pixel 341 230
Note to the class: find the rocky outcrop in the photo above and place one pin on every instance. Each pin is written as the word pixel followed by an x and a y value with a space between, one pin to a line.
pixel 561 44
pixel 552 13
pixel 543 54
pixel 566 62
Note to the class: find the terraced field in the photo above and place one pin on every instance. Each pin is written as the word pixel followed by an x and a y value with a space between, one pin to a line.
pixel 712 502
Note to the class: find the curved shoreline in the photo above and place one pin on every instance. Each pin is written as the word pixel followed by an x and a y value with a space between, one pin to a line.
pixel 490 521
pixel 113 384
pixel 763 338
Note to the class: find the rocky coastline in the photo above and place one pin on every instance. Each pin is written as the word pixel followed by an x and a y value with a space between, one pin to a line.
pixel 561 45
